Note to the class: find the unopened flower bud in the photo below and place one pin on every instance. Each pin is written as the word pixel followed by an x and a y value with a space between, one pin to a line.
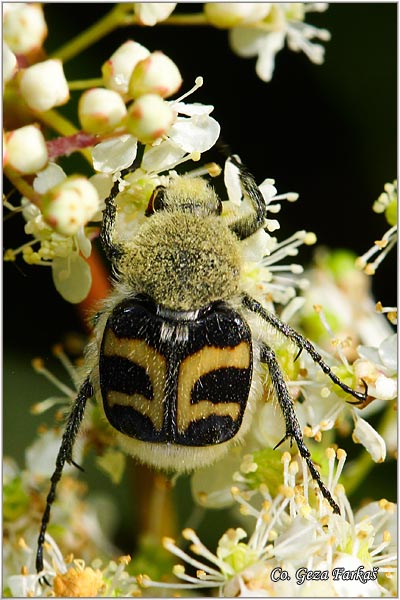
pixel 25 150
pixel 156 74
pixel 44 86
pixel 149 117
pixel 117 70
pixel 24 27
pixel 231 14
pixel 70 204
pixel 9 63
pixel 101 110
pixel 150 13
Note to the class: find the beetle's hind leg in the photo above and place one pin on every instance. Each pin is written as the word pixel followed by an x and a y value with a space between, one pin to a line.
pixel 293 430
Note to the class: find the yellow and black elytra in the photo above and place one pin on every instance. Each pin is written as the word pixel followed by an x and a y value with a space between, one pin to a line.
pixel 173 377
pixel 175 360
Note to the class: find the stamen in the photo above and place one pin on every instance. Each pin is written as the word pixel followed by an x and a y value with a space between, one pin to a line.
pixel 66 363
pixel 198 82
pixel 39 367
pixel 170 545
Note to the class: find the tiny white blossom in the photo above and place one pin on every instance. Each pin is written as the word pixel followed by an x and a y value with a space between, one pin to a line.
pixel 44 85
pixel 25 149
pixel 114 155
pixel 149 118
pixel 155 74
pixel 101 110
pixel 9 63
pixel 387 204
pixel 366 435
pixel 24 26
pixel 231 14
pixel 65 254
pixel 72 277
pixel 117 70
pixel 150 13
pixel 378 367
pixel 284 22
pixel 70 204
pixel 262 274
pixel 290 535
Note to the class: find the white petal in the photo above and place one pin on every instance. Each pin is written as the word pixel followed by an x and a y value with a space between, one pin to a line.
pixel 114 155
pixel 197 134
pixel 268 190
pixel 370 353
pixel 23 586
pixel 72 277
pixel 41 455
pixel 366 435
pixel 84 243
pixel 192 109
pixel 150 13
pixel 353 588
pixel 266 58
pixel 291 543
pixel 253 247
pixel 162 157
pixel 232 183
pixel 246 41
pixel 388 353
pixel 385 388
pixel 51 176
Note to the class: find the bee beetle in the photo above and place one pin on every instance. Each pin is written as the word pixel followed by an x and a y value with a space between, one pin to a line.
pixel 175 360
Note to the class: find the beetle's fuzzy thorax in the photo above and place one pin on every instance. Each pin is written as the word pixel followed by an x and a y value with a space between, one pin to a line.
pixel 182 261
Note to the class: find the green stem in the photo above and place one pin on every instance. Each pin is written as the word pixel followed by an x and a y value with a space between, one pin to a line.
pixel 122 15
pixel 197 19
pixel 85 84
pixel 23 186
pixel 115 18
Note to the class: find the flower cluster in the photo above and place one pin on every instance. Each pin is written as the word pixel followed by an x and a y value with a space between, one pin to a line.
pixel 261 29
pixel 386 204
pixel 297 546
pixel 60 211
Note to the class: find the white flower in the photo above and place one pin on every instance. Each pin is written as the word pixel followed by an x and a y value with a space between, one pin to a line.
pixel 25 149
pixel 72 277
pixel 150 13
pixel 348 307
pixel 232 14
pixel 378 367
pixel 149 118
pixel 284 22
pixel 74 578
pixel 44 85
pixel 24 26
pixel 69 205
pixel 262 274
pixel 193 132
pixel 65 254
pixel 386 203
pixel 117 70
pixel 101 110
pixel 111 156
pixel 155 74
pixel 9 63
pixel 291 535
